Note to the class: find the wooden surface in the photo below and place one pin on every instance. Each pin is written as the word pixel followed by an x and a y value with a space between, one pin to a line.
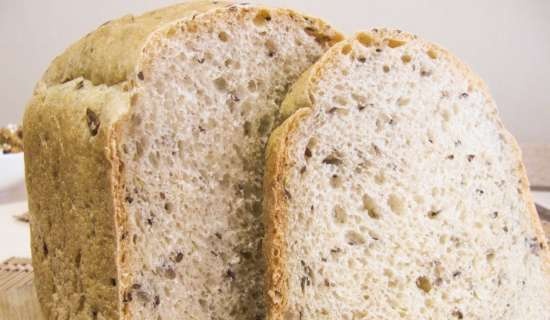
pixel 17 295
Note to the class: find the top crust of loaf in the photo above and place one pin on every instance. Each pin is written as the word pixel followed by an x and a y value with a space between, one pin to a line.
pixel 296 107
pixel 110 54
pixel 75 117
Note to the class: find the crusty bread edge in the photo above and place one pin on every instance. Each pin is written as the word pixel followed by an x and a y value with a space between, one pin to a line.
pixel 274 203
pixel 297 106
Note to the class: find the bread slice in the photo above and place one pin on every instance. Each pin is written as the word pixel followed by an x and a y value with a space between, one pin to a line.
pixel 144 155
pixel 394 192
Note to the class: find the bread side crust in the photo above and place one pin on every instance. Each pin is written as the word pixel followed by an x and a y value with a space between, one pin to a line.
pixel 68 175
pixel 275 211
pixel 300 100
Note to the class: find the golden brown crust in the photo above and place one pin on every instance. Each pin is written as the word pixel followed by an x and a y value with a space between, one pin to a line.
pixel 109 54
pixel 300 98
pixel 68 173
pixel 275 215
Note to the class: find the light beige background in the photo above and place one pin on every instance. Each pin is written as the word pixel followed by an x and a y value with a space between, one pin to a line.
pixel 506 41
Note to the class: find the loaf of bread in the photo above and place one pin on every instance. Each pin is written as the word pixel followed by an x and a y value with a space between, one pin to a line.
pixel 393 191
pixel 144 160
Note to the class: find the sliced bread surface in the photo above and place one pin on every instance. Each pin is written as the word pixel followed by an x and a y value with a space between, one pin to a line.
pixel 393 191
pixel 144 160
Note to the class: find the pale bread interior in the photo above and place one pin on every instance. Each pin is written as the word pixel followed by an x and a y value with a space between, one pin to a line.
pixel 193 160
pixel 406 198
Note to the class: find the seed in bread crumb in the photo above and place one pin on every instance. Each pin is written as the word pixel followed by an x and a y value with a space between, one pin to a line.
pixel 79 85
pixel 425 73
pixel 362 59
pixel 456 274
pixel 386 68
pixel 333 159
pixel 463 95
pixel 156 301
pixel 127 297
pixel 140 75
pixel 458 314
pixel 230 274
pixel 423 283
pixel 406 58
pixel 451 156
pixel 170 273
pixel 93 122
pixel 434 213
pixel 471 157
pixel 179 257
pixel 45 248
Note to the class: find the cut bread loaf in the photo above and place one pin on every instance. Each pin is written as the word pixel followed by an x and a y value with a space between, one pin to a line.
pixel 394 192
pixel 144 159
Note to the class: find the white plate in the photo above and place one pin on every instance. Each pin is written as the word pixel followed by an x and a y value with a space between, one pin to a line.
pixel 12 170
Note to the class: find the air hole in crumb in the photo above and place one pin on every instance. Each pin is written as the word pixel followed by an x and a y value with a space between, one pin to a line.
pixel 310 146
pixel 394 43
pixel 154 159
pixel 432 54
pixel 333 159
pixel 223 36
pixel 370 205
pixel 354 238
pixel 380 178
pixel 340 215
pixel 346 49
pixel 264 127
pixel 271 48
pixel 247 126
pixel 365 39
pixel 252 86
pixel 402 101
pixel 406 58
pixel 169 207
pixel 220 83
pixel 397 205
pixel 423 283
pixel 262 18
pixel 336 181
pixel 490 256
